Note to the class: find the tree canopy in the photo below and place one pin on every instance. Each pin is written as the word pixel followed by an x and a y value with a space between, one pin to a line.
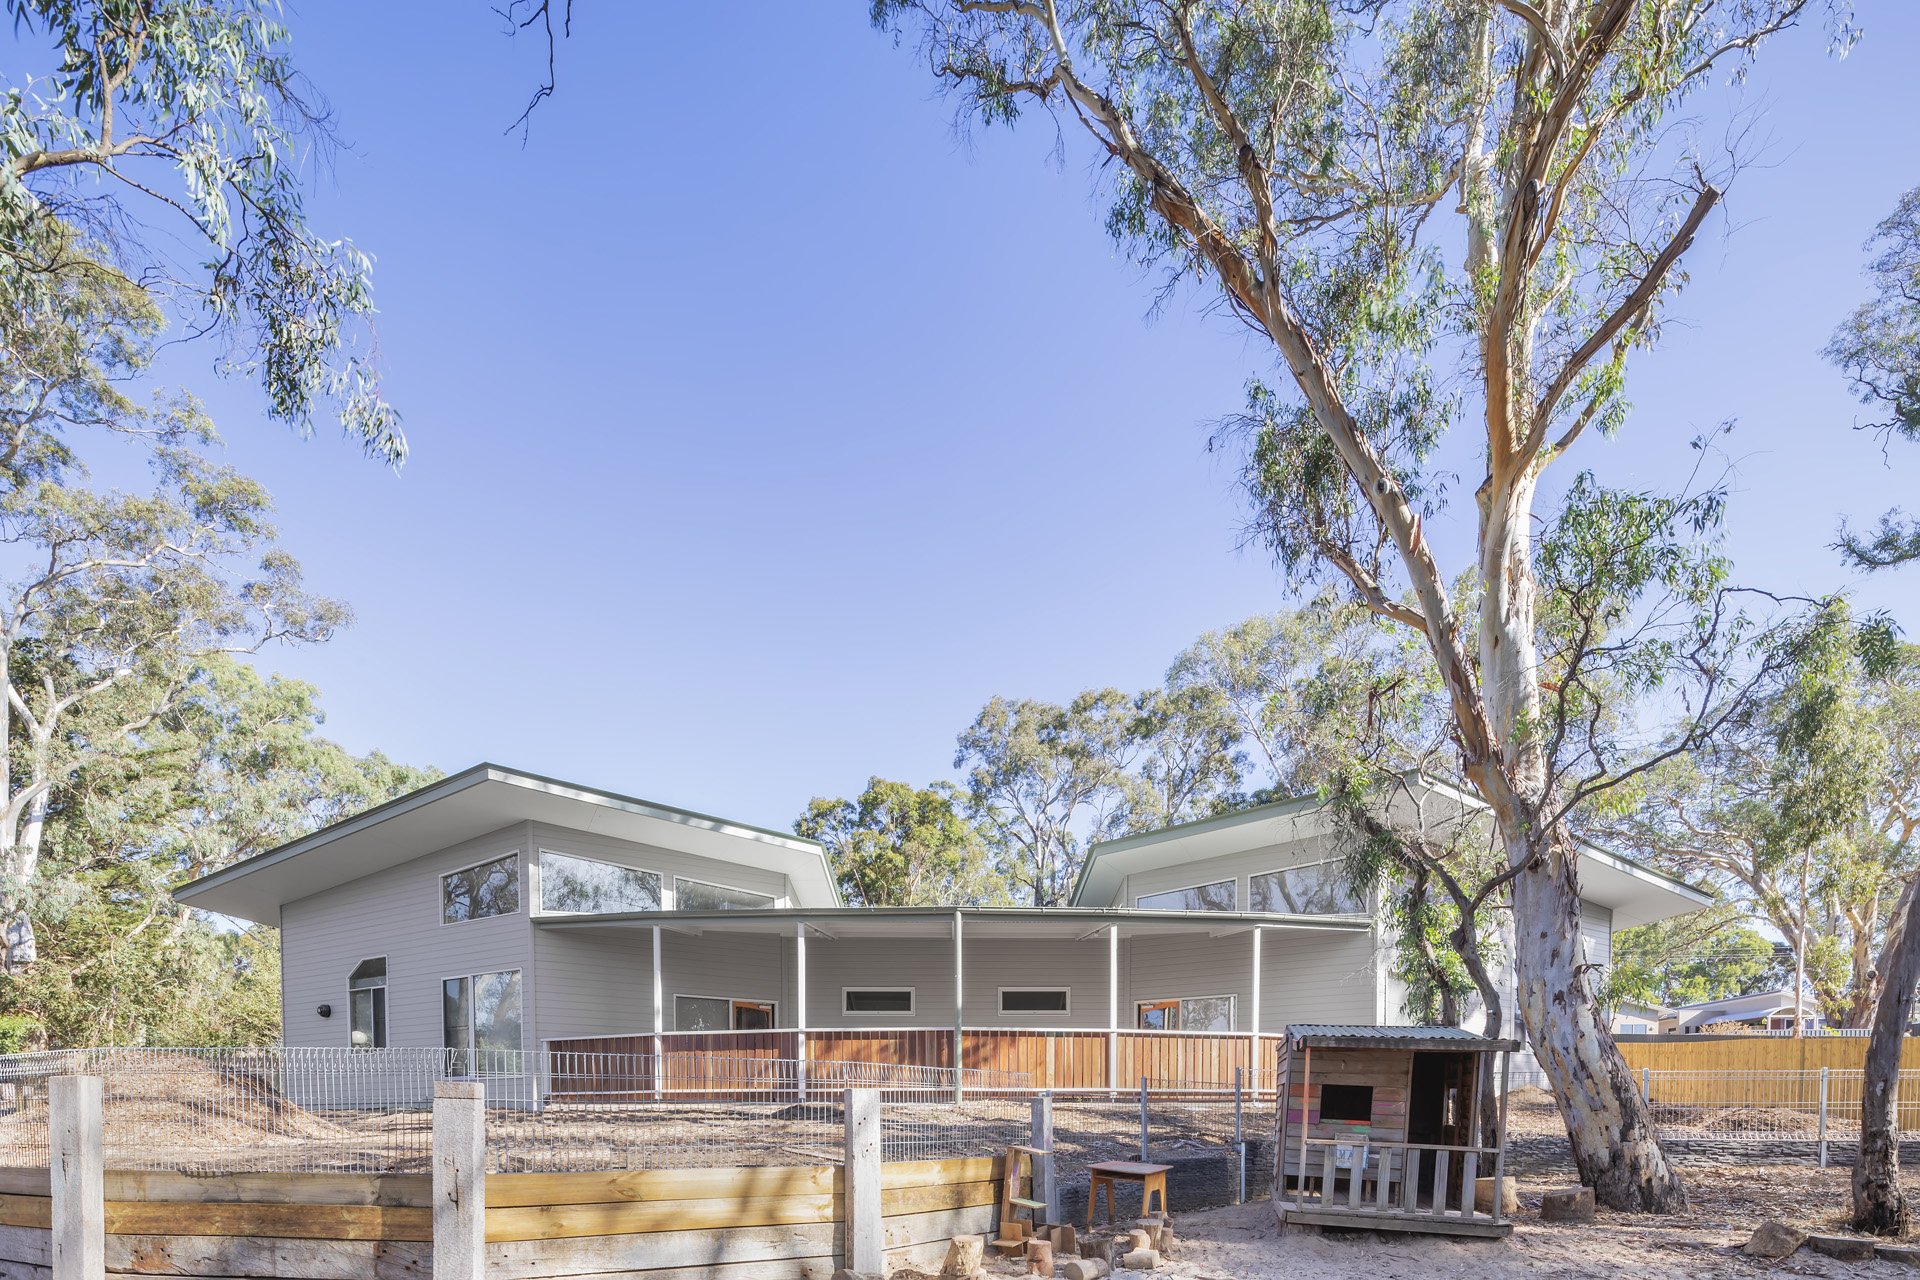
pixel 162 148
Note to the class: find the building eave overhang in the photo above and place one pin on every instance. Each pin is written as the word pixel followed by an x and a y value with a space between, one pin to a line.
pixel 471 804
pixel 1634 893
pixel 1012 922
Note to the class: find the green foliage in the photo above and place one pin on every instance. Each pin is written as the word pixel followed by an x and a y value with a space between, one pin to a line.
pixel 234 767
pixel 1878 347
pixel 1035 770
pixel 1691 959
pixel 189 110
pixel 898 846
pixel 1802 811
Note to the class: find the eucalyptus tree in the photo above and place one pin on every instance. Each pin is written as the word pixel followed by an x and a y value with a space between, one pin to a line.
pixel 1372 188
pixel 116 602
pixel 898 846
pixel 1878 347
pixel 1041 778
pixel 163 145
pixel 1738 813
pixel 235 767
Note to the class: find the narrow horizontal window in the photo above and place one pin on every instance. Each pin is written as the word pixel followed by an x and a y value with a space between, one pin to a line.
pixel 490 889
pixel 1034 999
pixel 697 895
pixel 1205 897
pixel 899 1000
pixel 1318 889
pixel 581 884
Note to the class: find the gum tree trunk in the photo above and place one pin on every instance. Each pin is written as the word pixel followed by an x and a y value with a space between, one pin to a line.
pixel 1878 1205
pixel 1609 1123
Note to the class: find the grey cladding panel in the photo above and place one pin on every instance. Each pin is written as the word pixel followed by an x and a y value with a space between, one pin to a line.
pixel 397 914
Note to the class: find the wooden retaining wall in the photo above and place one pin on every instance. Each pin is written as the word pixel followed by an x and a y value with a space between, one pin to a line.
pixel 669 1224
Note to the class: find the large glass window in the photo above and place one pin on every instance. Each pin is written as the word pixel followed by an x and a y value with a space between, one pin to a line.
pixel 1320 888
pixel 1204 897
pixel 490 889
pixel 697 895
pixel 581 884
pixel 718 1013
pixel 1194 1013
pixel 367 1005
pixel 481 1020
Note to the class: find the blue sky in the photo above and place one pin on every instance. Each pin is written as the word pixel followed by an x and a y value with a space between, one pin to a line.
pixel 762 429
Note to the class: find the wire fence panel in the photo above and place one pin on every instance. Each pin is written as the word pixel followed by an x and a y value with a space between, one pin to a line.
pixel 371 1110
pixel 1763 1106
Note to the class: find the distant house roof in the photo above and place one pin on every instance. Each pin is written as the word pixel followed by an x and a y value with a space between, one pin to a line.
pixel 1458 1039
pixel 1635 894
pixel 474 803
pixel 1759 1004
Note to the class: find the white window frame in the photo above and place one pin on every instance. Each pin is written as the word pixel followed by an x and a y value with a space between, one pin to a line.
pixel 518 875
pixel 912 1009
pixel 440 996
pixel 581 857
pixel 730 1001
pixel 386 986
pixel 1297 866
pixel 773 899
pixel 1036 1013
pixel 1204 884
pixel 1233 1011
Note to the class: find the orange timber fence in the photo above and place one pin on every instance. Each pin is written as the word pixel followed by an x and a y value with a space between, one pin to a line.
pixel 1070 1063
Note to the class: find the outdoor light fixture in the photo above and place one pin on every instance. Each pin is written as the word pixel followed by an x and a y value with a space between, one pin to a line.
pixel 325 1011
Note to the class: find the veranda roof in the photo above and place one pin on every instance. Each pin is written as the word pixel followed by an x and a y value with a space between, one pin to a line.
pixel 1060 923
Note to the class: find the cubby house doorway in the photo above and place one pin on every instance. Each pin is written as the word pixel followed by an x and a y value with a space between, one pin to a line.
pixel 1440 1110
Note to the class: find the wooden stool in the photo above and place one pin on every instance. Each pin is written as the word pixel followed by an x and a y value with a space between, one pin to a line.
pixel 1151 1177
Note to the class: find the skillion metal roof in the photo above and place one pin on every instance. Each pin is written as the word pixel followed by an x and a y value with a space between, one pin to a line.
pixel 1458 1039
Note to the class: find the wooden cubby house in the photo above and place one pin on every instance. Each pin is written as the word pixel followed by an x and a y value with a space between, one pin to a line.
pixel 1380 1130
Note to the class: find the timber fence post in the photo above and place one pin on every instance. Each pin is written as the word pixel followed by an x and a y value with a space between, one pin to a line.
pixel 1047 1186
pixel 865 1233
pixel 459 1180
pixel 75 1141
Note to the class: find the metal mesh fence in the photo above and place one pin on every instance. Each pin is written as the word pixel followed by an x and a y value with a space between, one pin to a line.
pixel 370 1111
pixel 1766 1106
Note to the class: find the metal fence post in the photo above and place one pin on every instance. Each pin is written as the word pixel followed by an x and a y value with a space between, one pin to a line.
pixel 1646 1083
pixel 1047 1186
pixel 79 1236
pixel 1143 1124
pixel 1239 1143
pixel 1823 1117
pixel 459 1180
pixel 862 1170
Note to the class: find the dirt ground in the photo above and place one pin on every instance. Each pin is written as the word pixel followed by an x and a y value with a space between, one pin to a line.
pixel 1243 1243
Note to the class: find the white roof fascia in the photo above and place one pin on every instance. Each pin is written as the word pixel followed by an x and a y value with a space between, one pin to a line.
pixel 475 803
pixel 1634 895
